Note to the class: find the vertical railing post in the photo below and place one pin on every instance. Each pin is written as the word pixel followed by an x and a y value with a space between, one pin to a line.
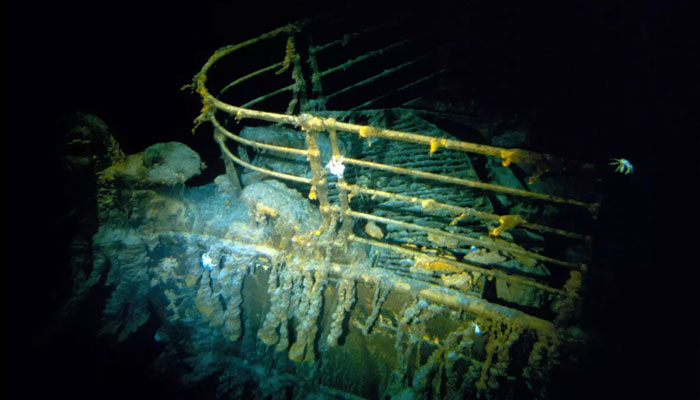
pixel 316 86
pixel 348 221
pixel 231 172
pixel 319 183
pixel 293 60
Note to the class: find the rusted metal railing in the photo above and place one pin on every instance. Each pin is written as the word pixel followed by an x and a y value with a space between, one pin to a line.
pixel 314 125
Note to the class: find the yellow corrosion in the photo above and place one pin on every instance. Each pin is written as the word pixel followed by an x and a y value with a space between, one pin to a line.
pixel 508 156
pixel 309 123
pixel 436 143
pixel 367 132
pixel 427 265
pixel 262 212
pixel 539 161
pixel 427 204
pixel 458 218
pixel 506 222
pixel 431 339
pixel 267 211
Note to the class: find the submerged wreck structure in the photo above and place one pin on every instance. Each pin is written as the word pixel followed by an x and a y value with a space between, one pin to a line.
pixel 350 250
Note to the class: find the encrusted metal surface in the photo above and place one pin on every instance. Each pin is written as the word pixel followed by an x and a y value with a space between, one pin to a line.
pixel 352 250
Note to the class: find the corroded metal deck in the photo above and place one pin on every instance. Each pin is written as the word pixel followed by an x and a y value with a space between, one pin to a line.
pixel 399 261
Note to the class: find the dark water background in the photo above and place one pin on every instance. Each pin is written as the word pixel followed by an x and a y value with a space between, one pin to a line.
pixel 592 79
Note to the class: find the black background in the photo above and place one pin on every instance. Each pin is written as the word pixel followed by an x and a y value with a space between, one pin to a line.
pixel 594 80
